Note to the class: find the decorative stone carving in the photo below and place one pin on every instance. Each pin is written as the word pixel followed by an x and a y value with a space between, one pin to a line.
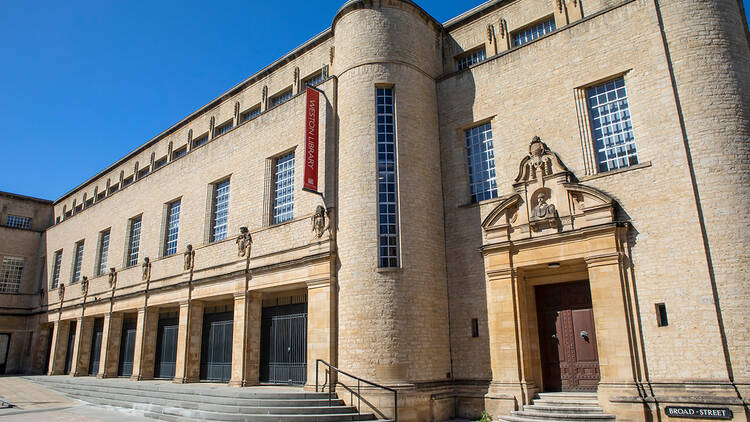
pixel 331 54
pixel 490 31
pixel 189 257
pixel 503 28
pixel 146 268
pixel 560 5
pixel 84 285
pixel 244 242
pixel 539 163
pixel 61 291
pixel 542 210
pixel 296 76
pixel 319 221
pixel 112 276
pixel 265 94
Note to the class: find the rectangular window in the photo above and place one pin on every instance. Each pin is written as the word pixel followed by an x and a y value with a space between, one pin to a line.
pixel 473 57
pixel 127 181
pixel 18 222
pixel 161 162
pixel 200 140
pixel 661 315
pixel 611 128
pixel 220 211
pixel 100 195
pixel 77 261
pixel 283 188
pixel 56 269
pixel 474 327
pixel 280 98
pixel 313 80
pixel 134 242
pixel 179 152
pixel 78 208
pixel 89 202
pixel 10 278
pixel 101 266
pixel 387 196
pixel 173 227
pixel 480 156
pixel 114 188
pixel 249 114
pixel 223 128
pixel 143 173
pixel 532 32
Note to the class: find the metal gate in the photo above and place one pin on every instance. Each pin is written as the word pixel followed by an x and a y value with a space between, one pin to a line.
pixel 127 348
pixel 283 339
pixel 166 348
pixel 4 346
pixel 216 347
pixel 96 346
pixel 71 344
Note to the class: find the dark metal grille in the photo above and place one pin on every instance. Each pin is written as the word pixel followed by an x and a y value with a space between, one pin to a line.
pixel 216 347
pixel 166 348
pixel 283 358
pixel 71 344
pixel 127 348
pixel 96 346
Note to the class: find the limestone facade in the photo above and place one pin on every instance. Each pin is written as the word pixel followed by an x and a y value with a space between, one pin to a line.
pixel 455 325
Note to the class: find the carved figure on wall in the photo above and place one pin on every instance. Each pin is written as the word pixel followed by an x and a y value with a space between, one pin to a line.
pixel 61 291
pixel 189 256
pixel 112 276
pixel 84 285
pixel 319 221
pixel 543 210
pixel 244 242
pixel 146 267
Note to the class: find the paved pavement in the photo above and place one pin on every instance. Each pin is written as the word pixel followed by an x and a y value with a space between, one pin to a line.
pixel 34 403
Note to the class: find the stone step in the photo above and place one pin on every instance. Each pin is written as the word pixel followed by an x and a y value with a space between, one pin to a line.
pixel 193 400
pixel 566 402
pixel 576 394
pixel 527 416
pixel 539 407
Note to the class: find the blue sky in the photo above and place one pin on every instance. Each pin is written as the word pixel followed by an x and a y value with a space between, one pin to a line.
pixel 85 82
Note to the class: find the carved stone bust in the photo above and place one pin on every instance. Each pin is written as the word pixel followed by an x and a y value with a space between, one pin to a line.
pixel 319 221
pixel 542 210
pixel 244 242
pixel 189 257
pixel 146 267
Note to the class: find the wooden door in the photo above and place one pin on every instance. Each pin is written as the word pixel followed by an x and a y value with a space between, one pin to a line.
pixel 567 337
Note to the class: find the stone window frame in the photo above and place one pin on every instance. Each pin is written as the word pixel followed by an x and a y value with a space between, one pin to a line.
pixel 223 128
pixel 470 57
pixel 250 113
pixel 280 97
pixel 18 222
pixel 531 27
pixel 166 230
pixel 585 127
pixel 11 273
pixel 269 185
pixel 102 254
pixel 313 79
pixel 131 248
pixel 199 141
pixel 56 269
pixel 399 250
pixel 461 140
pixel 210 224
pixel 76 267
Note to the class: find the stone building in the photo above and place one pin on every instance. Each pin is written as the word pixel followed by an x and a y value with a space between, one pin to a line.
pixel 537 195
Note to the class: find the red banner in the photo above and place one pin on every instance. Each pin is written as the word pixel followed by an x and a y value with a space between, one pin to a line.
pixel 311 139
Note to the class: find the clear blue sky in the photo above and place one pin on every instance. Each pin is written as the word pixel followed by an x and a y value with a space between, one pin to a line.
pixel 85 82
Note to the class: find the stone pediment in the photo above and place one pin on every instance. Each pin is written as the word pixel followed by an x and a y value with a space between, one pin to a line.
pixel 546 200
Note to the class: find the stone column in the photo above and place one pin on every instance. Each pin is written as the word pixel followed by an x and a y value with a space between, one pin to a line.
pixel 138 352
pixel 246 339
pixel 505 389
pixel 320 314
pixel 239 340
pixel 111 337
pixel 82 350
pixel 189 336
pixel 148 351
pixel 59 348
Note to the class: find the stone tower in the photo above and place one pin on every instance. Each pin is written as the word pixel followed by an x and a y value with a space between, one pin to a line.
pixel 707 38
pixel 393 324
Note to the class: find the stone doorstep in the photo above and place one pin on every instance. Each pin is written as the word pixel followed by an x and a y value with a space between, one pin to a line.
pixel 560 407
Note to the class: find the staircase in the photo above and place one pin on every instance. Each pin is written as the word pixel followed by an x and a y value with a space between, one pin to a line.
pixel 166 401
pixel 560 407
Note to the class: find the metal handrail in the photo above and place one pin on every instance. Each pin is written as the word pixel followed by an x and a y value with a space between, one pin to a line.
pixel 332 386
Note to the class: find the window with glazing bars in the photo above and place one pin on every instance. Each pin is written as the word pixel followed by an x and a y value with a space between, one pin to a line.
pixel 283 188
pixel 387 191
pixel 10 279
pixel 200 140
pixel 56 269
pixel 223 128
pixel 18 222
pixel 313 80
pixel 249 114
pixel 77 261
pixel 134 242
pixel 173 227
pixel 611 128
pixel 101 266
pixel 281 98
pixel 179 153
pixel 533 32
pixel 220 211
pixel 480 156
pixel 473 57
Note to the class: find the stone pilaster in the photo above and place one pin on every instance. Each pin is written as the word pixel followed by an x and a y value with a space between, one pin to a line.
pixel 320 314
pixel 82 350
pixel 138 352
pixel 246 339
pixel 59 348
pixel 111 338
pixel 189 342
